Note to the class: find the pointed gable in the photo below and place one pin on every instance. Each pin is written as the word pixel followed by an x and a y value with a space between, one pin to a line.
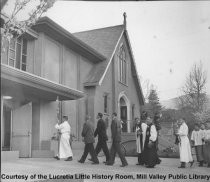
pixel 104 41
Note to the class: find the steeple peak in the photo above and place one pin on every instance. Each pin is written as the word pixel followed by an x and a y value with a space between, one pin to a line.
pixel 125 22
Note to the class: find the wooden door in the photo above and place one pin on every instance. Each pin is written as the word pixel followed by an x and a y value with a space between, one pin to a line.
pixel 21 130
pixel 123 110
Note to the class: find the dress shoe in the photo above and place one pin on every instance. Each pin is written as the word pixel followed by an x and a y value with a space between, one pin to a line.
pixel 80 161
pixel 56 157
pixel 69 159
pixel 158 161
pixel 182 165
pixel 90 159
pixel 191 163
pixel 138 164
pixel 123 165
pixel 149 166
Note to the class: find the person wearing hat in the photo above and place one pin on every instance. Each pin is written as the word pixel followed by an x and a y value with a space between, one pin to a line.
pixel 102 137
pixel 64 145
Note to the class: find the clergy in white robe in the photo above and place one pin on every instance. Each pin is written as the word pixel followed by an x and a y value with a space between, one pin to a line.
pixel 64 146
pixel 140 147
pixel 140 131
pixel 184 144
pixel 197 139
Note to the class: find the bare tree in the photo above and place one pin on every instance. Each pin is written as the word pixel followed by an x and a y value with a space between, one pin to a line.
pixel 193 92
pixel 147 86
pixel 11 26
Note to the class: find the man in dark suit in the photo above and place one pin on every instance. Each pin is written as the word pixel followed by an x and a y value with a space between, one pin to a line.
pixel 116 139
pixel 102 137
pixel 88 134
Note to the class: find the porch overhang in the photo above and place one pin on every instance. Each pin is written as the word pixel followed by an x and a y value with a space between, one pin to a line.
pixel 20 84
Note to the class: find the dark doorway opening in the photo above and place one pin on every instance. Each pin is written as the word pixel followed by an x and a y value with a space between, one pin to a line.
pixel 123 114
pixel 7 117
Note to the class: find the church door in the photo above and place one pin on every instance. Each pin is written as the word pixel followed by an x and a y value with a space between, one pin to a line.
pixel 124 118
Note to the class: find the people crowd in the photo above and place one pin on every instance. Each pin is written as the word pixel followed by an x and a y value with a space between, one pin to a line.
pixel 201 142
pixel 146 131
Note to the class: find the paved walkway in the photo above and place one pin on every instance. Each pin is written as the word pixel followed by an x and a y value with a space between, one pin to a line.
pixel 50 167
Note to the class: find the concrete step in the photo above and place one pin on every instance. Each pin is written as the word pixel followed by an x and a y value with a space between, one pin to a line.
pixel 9 155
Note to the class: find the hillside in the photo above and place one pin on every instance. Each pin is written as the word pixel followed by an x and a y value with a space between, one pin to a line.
pixel 172 103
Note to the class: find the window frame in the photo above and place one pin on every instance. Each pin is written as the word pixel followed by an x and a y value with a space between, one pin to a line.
pixel 18 41
pixel 106 105
pixel 122 65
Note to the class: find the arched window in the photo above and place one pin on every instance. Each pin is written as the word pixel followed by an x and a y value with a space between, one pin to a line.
pixel 122 65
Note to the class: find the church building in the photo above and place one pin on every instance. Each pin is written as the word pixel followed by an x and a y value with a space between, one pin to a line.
pixel 49 71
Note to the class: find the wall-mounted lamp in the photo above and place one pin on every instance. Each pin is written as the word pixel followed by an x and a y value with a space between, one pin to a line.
pixel 7 97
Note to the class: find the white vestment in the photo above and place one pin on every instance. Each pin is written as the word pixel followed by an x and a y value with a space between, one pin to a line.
pixel 64 147
pixel 197 137
pixel 138 144
pixel 207 134
pixel 184 145
pixel 153 133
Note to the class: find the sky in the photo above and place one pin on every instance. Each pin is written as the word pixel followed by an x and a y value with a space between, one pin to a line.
pixel 167 37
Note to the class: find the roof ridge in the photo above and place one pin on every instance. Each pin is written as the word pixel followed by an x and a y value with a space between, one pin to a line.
pixel 98 29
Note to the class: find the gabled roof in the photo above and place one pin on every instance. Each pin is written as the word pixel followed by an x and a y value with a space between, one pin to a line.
pixel 104 41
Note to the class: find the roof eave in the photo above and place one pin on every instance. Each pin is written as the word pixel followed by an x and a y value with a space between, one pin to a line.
pixel 34 82
pixel 110 60
pixel 142 100
pixel 90 84
pixel 48 26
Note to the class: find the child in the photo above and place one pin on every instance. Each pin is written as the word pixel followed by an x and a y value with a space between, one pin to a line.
pixel 207 143
pixel 196 137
